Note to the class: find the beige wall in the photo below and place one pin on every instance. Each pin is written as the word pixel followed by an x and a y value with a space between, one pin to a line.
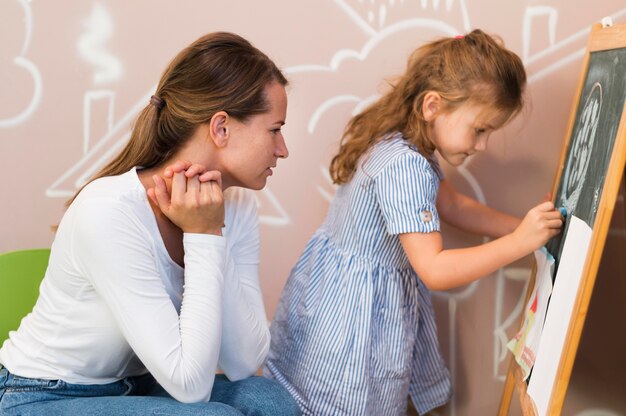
pixel 74 74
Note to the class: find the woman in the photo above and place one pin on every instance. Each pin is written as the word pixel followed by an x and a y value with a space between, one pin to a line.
pixel 153 276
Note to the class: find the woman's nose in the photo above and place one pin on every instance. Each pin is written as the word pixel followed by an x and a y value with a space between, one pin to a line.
pixel 281 148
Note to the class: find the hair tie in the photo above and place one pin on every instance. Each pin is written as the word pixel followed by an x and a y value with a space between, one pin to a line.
pixel 157 102
pixel 459 37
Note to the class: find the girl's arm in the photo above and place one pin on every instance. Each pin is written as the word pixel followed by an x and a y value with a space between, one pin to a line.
pixel 443 269
pixel 470 215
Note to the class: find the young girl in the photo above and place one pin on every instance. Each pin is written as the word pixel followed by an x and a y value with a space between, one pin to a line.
pixel 152 282
pixel 354 333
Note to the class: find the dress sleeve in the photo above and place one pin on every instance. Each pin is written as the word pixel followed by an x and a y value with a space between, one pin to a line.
pixel 245 336
pixel 406 190
pixel 113 250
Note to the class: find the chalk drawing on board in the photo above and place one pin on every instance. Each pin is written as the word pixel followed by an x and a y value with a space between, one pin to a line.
pixel 578 163
pixel 25 64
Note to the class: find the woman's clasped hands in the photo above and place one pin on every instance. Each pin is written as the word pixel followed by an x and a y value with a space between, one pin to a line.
pixel 191 197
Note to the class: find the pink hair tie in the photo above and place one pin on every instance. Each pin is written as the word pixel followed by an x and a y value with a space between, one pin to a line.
pixel 458 37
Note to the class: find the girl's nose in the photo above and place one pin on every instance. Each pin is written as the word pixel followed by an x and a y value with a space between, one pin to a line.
pixel 481 144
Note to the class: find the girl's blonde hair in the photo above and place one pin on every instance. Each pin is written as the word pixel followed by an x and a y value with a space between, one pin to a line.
pixel 476 66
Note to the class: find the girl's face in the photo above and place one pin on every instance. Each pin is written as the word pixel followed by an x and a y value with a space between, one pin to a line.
pixel 256 144
pixel 464 131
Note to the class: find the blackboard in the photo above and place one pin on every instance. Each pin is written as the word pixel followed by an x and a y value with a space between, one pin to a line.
pixel 592 140
pixel 587 182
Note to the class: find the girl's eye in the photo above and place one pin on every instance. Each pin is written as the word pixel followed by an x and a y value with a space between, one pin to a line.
pixel 479 131
pixel 276 131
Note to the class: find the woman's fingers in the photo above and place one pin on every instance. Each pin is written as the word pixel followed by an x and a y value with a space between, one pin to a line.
pixel 193 189
pixel 179 187
pixel 176 167
pixel 195 169
pixel 160 195
pixel 212 175
pixel 191 170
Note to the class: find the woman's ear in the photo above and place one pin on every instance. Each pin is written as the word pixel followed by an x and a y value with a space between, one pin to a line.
pixel 219 128
pixel 431 105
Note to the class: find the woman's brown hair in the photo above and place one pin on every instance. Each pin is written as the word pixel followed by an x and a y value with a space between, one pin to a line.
pixel 218 72
pixel 473 67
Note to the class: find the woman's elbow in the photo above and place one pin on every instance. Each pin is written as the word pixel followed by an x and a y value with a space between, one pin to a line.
pixel 249 363
pixel 198 394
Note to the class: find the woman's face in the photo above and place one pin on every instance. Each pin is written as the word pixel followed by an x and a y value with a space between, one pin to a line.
pixel 256 144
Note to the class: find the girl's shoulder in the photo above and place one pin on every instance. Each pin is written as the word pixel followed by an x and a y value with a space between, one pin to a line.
pixel 395 149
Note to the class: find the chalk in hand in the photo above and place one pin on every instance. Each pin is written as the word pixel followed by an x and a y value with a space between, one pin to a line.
pixel 563 211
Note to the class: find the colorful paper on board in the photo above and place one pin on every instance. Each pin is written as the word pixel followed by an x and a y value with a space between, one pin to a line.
pixel 525 344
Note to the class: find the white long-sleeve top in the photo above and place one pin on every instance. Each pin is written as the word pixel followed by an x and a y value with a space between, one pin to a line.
pixel 114 304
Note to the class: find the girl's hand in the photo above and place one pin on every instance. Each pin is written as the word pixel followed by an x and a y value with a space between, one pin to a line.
pixel 539 225
pixel 193 205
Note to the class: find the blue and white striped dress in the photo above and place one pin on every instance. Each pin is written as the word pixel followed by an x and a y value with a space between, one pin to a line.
pixel 354 333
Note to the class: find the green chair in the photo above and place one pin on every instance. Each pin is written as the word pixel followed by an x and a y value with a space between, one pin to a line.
pixel 21 273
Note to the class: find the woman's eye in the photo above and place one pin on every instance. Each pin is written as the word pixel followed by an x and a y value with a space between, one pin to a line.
pixel 479 131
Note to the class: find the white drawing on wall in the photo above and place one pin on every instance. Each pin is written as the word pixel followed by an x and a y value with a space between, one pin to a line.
pixel 549 68
pixel 367 15
pixel 326 194
pixel 90 99
pixel 91 46
pixel 107 68
pixel 327 105
pixel 529 15
pixel 25 64
pixel 278 216
pixel 578 163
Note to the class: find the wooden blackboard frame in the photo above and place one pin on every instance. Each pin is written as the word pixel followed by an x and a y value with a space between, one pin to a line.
pixel 601 39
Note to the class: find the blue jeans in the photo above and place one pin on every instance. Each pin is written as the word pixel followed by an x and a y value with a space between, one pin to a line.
pixel 140 395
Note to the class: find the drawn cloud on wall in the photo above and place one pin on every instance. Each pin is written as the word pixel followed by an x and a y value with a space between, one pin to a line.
pixel 19 115
pixel 373 15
